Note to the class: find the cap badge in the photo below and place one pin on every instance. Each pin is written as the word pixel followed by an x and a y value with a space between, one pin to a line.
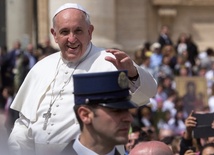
pixel 123 80
pixel 87 101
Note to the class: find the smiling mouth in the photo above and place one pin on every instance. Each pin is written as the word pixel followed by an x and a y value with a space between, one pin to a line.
pixel 73 47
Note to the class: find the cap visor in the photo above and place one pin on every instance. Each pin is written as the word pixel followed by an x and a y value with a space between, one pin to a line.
pixel 120 105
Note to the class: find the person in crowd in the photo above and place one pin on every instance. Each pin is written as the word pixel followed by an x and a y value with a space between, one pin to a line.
pixel 190 123
pixel 169 103
pixel 46 122
pixel 3 52
pixel 146 62
pixel 145 116
pixel 20 70
pixel 192 49
pixel 211 100
pixel 207 149
pixel 136 136
pixel 205 59
pixel 10 114
pixel 182 67
pixel 175 144
pixel 169 50
pixel 133 138
pixel 135 133
pixel 151 148
pixel 9 64
pixel 190 145
pixel 181 45
pixel 188 64
pixel 140 52
pixel 209 75
pixel 168 84
pixel 47 48
pixel 177 123
pixel 101 108
pixel 156 57
pixel 137 56
pixel 164 37
pixel 158 114
pixel 165 133
pixel 15 64
pixel 179 106
pixel 30 53
pixel 146 47
pixel 164 69
pixel 161 94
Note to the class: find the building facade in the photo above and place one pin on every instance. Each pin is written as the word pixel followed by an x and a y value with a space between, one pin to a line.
pixel 120 24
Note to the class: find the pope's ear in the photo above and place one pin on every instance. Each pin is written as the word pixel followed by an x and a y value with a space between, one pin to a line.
pixel 85 114
pixel 90 30
pixel 53 32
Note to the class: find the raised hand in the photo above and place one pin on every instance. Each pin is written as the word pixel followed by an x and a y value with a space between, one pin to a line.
pixel 190 123
pixel 122 61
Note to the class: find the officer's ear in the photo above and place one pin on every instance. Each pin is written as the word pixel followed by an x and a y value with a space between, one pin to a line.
pixel 85 114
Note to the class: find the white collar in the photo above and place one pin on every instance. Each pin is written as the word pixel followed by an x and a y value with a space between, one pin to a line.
pixel 82 150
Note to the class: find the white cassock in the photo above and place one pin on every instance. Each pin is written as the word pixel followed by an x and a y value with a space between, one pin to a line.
pixel 41 88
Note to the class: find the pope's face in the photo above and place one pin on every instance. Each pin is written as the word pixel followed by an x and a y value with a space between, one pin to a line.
pixel 72 32
pixel 112 125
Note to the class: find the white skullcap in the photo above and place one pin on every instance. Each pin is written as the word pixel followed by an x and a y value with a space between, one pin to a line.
pixel 68 6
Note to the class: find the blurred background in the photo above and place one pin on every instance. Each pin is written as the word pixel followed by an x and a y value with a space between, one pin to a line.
pixel 121 24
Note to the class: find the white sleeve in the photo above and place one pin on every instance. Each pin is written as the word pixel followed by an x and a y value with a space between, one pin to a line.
pixel 144 88
pixel 134 85
pixel 19 141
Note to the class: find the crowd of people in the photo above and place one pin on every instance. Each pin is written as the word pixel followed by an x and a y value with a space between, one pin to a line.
pixel 16 62
pixel 166 118
pixel 167 115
